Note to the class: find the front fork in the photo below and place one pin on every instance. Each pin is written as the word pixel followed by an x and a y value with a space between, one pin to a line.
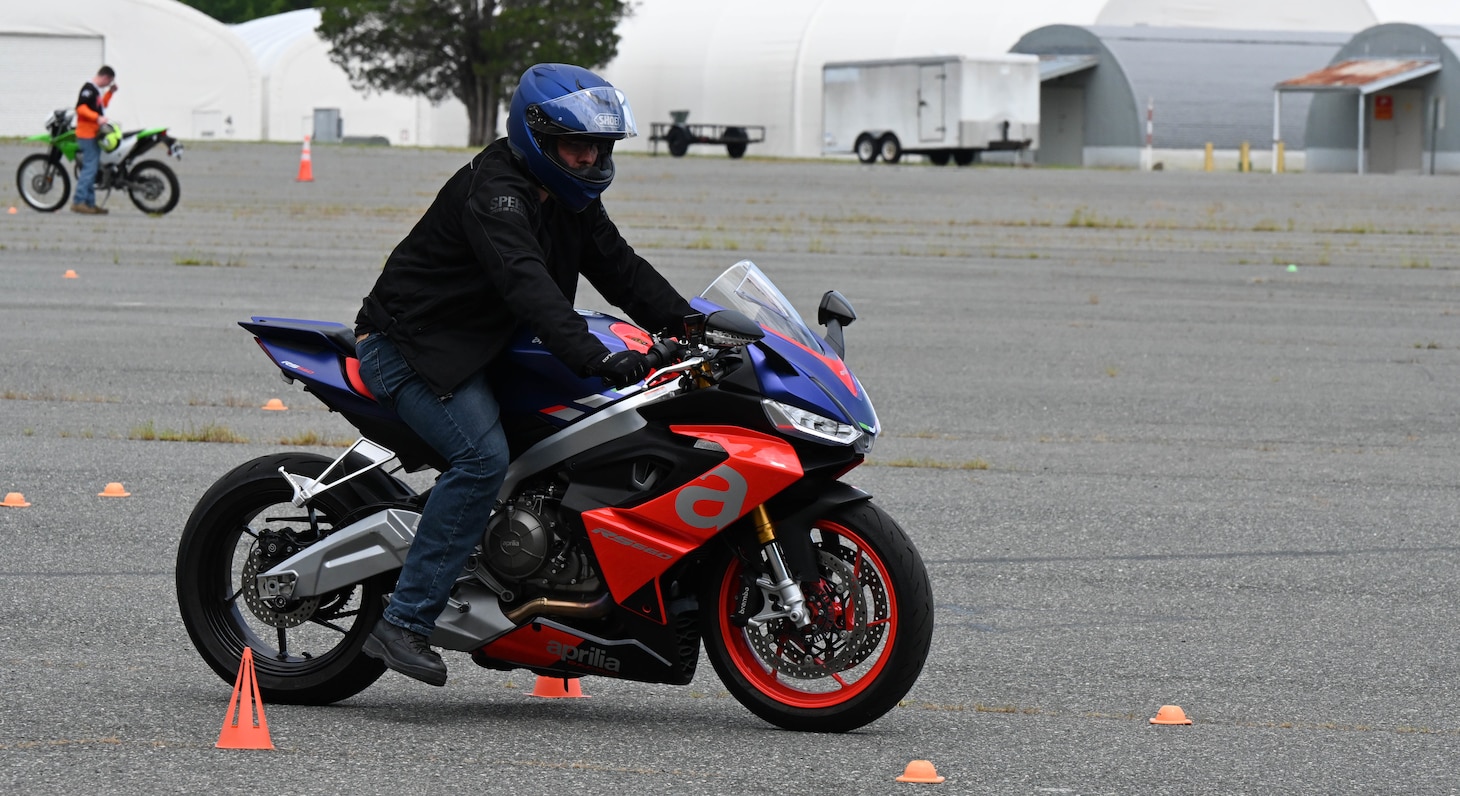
pixel 784 598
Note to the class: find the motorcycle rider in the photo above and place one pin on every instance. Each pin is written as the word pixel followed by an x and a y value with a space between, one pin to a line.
pixel 91 106
pixel 502 246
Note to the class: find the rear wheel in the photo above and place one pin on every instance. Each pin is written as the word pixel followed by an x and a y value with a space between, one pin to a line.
pixel 43 185
pixel 153 187
pixel 939 158
pixel 678 139
pixel 872 626
pixel 889 148
pixel 736 141
pixel 306 651
pixel 866 148
pixel 964 157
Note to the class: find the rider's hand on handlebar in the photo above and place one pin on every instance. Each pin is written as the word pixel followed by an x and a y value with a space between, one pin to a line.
pixel 665 352
pixel 621 368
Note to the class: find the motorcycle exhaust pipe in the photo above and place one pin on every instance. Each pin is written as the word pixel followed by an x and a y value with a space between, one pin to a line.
pixel 543 605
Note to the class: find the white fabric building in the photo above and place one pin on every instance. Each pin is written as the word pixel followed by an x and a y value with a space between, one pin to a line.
pixel 296 76
pixel 759 61
pixel 176 67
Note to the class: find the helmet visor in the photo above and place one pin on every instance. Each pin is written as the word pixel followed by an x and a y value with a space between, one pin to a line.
pixel 599 111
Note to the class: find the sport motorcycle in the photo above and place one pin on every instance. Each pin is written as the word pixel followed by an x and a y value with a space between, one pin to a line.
pixel 699 509
pixel 150 184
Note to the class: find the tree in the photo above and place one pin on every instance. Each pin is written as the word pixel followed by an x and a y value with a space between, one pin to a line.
pixel 473 50
pixel 233 11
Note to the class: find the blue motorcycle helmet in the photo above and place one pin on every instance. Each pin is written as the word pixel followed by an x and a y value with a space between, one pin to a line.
pixel 554 101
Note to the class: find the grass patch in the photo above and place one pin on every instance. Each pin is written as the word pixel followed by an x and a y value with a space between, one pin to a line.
pixel 935 464
pixel 1083 217
pixel 315 439
pixel 208 433
pixel 14 395
pixel 1415 262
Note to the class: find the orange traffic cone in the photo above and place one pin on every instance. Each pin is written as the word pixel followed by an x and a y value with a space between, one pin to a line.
pixel 240 729
pixel 1170 714
pixel 274 405
pixel 921 771
pixel 114 489
pixel 14 500
pixel 558 688
pixel 70 274
pixel 306 166
pixel 12 210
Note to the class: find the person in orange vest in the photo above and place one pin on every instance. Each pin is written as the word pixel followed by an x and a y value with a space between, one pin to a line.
pixel 91 105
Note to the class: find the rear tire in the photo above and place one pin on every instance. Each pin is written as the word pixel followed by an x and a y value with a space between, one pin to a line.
pixel 316 661
pixel 43 185
pixel 871 632
pixel 153 187
pixel 940 158
pixel 889 148
pixel 964 157
pixel 735 142
pixel 678 139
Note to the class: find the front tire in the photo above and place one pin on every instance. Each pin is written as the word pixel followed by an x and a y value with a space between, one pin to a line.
pixel 43 185
pixel 866 148
pixel 305 653
pixel 889 148
pixel 871 631
pixel 153 187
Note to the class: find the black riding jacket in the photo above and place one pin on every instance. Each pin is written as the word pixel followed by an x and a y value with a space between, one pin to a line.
pixel 489 257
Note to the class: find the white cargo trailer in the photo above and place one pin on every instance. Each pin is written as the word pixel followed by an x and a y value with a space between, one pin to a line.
pixel 945 107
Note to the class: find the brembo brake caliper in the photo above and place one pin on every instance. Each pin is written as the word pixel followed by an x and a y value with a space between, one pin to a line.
pixel 784 597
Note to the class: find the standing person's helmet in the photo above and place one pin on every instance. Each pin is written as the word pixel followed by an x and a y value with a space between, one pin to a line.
pixel 109 137
pixel 558 100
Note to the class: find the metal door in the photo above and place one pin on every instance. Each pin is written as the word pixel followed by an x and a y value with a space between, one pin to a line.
pixel 1061 126
pixel 932 82
pixel 1396 131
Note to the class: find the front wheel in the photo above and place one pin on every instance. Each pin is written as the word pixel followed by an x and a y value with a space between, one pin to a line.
pixel 43 185
pixel 872 626
pixel 307 651
pixel 889 148
pixel 153 187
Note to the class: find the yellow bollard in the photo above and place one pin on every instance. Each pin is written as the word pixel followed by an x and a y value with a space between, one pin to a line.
pixel 1244 159
pixel 1207 164
pixel 1282 157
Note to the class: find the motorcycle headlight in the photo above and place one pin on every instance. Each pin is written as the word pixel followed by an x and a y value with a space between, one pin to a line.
pixel 795 420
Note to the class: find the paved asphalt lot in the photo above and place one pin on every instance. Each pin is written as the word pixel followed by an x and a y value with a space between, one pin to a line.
pixel 1211 480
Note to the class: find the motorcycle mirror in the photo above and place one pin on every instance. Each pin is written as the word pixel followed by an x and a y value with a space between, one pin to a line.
pixel 728 329
pixel 835 307
pixel 834 313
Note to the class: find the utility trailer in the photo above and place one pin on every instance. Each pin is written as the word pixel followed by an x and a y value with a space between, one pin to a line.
pixel 945 107
pixel 679 134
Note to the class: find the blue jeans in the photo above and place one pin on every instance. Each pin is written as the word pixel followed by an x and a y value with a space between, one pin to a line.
pixel 466 429
pixel 90 152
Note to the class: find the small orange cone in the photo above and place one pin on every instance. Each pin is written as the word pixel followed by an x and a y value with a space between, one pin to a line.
pixel 70 274
pixel 306 164
pixel 921 771
pixel 240 729
pixel 114 489
pixel 274 405
pixel 14 500
pixel 1170 714
pixel 12 211
pixel 558 688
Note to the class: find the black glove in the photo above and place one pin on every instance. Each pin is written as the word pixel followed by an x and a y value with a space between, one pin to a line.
pixel 620 369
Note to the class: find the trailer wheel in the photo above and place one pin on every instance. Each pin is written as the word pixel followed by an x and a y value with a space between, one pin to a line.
pixel 735 141
pixel 939 158
pixel 866 148
pixel 963 157
pixel 889 148
pixel 678 139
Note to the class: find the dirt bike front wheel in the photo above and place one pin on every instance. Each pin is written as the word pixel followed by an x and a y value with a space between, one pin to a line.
pixel 871 629
pixel 153 187
pixel 43 185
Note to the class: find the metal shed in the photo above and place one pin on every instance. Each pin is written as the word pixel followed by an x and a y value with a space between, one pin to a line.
pixel 1206 85
pixel 1382 104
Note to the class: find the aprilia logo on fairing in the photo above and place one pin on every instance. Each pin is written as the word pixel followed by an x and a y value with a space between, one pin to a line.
pixel 627 542
pixel 730 500
pixel 586 656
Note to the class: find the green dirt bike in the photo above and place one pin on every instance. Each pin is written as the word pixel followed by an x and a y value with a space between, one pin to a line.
pixel 152 186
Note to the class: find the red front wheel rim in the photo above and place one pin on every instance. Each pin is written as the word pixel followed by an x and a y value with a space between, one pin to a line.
pixel 850 642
